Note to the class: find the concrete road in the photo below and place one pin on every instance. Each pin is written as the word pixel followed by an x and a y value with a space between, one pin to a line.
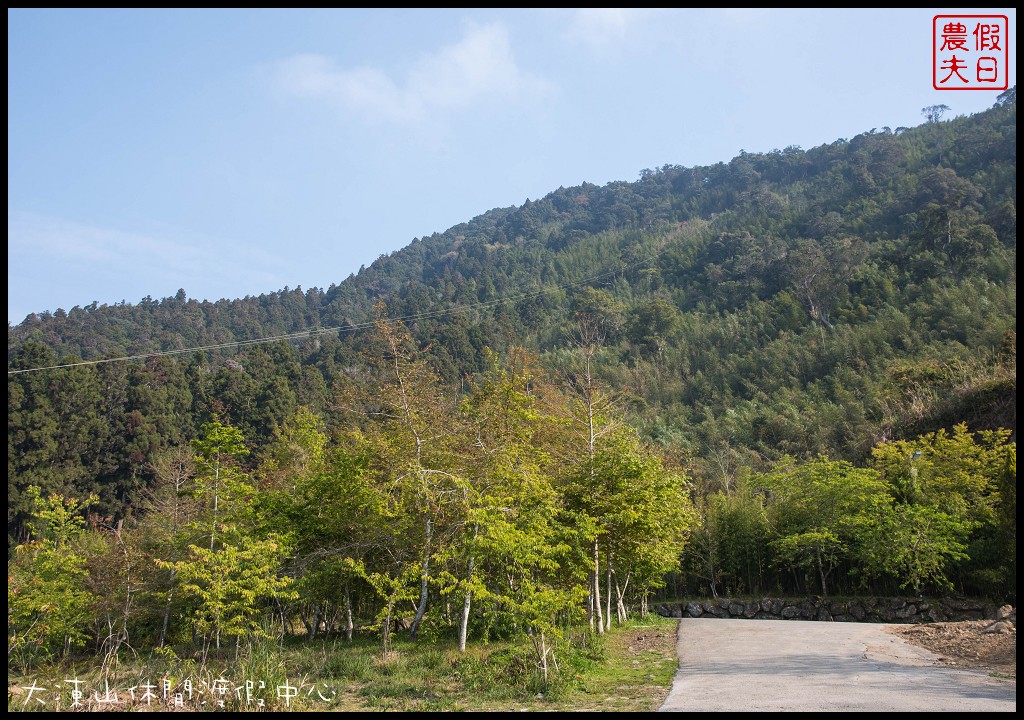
pixel 805 666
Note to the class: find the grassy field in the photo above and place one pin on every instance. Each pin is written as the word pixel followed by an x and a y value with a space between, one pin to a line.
pixel 630 669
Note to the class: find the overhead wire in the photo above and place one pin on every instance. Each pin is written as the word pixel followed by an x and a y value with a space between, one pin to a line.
pixel 352 327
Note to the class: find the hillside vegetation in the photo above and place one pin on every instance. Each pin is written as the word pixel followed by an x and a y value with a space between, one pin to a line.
pixel 794 372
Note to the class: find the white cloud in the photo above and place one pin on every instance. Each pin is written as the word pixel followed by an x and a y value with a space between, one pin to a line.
pixel 749 15
pixel 72 242
pixel 604 29
pixel 479 67
pixel 53 262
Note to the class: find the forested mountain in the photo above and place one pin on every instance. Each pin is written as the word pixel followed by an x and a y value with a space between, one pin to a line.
pixel 794 303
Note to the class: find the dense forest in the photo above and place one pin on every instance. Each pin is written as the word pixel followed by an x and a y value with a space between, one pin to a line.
pixel 793 372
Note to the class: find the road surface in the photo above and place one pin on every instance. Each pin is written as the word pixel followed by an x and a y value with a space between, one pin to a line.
pixel 804 666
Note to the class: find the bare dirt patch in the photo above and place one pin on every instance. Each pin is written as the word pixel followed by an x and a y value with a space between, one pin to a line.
pixel 966 644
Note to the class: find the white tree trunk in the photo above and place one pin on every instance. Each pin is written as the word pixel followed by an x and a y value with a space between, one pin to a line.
pixel 422 608
pixel 608 598
pixel 464 619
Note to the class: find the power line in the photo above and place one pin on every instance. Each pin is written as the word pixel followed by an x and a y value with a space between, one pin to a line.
pixel 312 332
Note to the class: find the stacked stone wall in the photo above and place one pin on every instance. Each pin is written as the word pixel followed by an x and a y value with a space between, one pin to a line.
pixel 873 609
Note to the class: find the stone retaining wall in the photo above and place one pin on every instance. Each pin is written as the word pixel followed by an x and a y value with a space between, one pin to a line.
pixel 880 610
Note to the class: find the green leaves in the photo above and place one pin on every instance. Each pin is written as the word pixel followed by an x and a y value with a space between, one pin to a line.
pixel 232 584
pixel 815 509
pixel 916 544
pixel 950 505
pixel 217 440
pixel 48 607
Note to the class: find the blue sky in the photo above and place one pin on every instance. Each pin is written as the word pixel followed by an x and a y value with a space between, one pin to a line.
pixel 236 152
